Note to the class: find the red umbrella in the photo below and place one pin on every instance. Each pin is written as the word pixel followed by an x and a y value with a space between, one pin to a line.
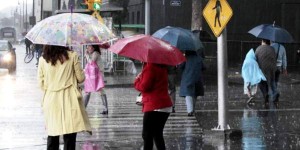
pixel 148 49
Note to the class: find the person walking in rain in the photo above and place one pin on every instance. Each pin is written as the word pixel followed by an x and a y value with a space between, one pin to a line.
pixel 152 82
pixel 281 64
pixel 266 59
pixel 191 84
pixel 59 73
pixel 218 8
pixel 94 75
pixel 28 43
pixel 39 51
pixel 251 74
pixel 172 71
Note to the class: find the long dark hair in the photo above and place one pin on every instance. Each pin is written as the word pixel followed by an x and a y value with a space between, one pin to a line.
pixel 53 53
pixel 96 48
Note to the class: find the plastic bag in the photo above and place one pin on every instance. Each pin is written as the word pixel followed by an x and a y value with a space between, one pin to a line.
pixel 94 80
pixel 139 100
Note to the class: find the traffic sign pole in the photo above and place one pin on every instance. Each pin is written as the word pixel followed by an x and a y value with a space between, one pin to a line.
pixel 217 13
pixel 222 81
pixel 147 17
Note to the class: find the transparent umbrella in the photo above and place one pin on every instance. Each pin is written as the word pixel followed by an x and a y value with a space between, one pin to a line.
pixel 70 29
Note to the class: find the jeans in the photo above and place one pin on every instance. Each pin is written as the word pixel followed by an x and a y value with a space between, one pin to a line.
pixel 190 103
pixel 153 126
pixel 39 53
pixel 268 89
pixel 275 90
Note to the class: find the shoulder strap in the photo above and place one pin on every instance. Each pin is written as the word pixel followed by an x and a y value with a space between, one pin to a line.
pixel 278 51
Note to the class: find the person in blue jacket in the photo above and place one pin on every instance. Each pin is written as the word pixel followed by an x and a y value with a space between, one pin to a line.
pixel 281 64
pixel 251 74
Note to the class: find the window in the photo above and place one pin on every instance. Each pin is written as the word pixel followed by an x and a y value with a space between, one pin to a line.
pixel 138 17
pixel 132 14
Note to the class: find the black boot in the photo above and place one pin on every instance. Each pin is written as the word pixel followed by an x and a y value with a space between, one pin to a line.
pixel 86 99
pixel 104 102
pixel 173 109
pixel 277 98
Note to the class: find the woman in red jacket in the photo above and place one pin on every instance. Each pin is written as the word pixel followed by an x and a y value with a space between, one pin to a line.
pixel 152 82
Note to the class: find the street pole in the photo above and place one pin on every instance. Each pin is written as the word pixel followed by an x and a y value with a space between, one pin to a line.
pixel 222 81
pixel 54 6
pixel 147 17
pixel 26 18
pixel 23 17
pixel 20 17
pixel 42 11
pixel 33 8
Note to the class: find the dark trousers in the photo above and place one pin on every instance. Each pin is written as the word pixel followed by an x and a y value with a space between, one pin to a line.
pixel 27 49
pixel 172 87
pixel 264 88
pixel 69 142
pixel 153 126
pixel 277 74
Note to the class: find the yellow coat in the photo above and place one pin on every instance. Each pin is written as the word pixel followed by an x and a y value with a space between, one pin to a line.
pixel 64 111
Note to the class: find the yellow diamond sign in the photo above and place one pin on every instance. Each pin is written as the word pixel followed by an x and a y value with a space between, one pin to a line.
pixel 217 13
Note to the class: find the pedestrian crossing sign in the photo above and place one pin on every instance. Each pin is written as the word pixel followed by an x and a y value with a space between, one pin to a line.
pixel 217 13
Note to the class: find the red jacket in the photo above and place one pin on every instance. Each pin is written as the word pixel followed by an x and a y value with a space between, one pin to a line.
pixel 153 84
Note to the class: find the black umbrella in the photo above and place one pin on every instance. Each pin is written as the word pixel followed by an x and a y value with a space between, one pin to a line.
pixel 272 32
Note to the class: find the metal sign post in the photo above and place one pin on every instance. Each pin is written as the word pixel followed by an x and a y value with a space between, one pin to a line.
pixel 217 13
pixel 222 82
pixel 147 17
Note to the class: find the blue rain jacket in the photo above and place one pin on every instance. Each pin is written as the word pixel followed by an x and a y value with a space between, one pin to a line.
pixel 251 72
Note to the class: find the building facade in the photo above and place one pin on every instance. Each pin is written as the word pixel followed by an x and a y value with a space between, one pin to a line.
pixel 246 15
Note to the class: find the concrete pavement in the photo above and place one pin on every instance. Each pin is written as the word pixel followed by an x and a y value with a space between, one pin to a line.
pixel 264 127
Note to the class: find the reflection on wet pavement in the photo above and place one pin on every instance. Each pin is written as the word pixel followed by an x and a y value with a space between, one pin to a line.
pixel 264 126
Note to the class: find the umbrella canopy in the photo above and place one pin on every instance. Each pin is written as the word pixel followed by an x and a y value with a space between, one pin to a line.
pixel 70 29
pixel 180 38
pixel 272 32
pixel 148 49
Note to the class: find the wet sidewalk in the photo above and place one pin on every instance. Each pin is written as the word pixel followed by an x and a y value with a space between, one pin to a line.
pixel 263 126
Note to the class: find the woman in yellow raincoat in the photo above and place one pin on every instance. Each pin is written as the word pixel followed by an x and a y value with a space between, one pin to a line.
pixel 59 73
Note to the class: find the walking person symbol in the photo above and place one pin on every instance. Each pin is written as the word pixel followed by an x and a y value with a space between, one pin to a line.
pixel 218 8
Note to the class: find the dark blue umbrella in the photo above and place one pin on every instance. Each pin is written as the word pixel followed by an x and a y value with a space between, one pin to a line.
pixel 272 32
pixel 181 38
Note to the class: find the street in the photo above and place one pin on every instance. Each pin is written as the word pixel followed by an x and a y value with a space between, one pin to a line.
pixel 264 127
pixel 22 121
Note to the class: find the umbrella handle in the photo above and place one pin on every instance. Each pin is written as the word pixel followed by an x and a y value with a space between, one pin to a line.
pixel 72 8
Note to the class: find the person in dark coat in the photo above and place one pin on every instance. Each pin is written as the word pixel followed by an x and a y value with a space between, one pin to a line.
pixel 266 59
pixel 27 44
pixel 172 71
pixel 152 82
pixel 191 84
pixel 39 50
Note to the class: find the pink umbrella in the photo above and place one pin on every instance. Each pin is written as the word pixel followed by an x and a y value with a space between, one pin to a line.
pixel 148 49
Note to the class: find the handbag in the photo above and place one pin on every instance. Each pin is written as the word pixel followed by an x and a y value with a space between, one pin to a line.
pixel 139 99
